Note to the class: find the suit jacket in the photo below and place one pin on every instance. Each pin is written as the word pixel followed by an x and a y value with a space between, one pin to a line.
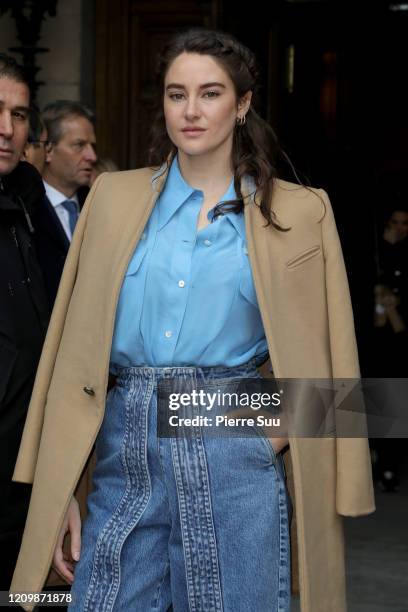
pixel 302 290
pixel 52 244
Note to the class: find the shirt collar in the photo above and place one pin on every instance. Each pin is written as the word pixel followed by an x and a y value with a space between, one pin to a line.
pixel 237 220
pixel 56 197
pixel 175 192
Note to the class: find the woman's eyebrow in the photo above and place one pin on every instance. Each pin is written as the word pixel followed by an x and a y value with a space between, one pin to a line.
pixel 204 86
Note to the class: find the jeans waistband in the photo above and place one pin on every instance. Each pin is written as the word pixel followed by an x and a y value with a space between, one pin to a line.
pixel 246 370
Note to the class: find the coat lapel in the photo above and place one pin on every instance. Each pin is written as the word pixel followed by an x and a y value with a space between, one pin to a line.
pixel 261 256
pixel 136 208
pixel 120 233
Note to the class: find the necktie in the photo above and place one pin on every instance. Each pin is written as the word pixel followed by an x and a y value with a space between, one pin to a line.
pixel 72 209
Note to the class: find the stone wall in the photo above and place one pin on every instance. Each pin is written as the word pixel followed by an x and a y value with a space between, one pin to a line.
pixel 70 49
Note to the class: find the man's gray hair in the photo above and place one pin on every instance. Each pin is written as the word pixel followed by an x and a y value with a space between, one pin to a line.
pixel 55 113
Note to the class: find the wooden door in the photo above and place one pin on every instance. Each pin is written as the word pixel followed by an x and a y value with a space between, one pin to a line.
pixel 129 36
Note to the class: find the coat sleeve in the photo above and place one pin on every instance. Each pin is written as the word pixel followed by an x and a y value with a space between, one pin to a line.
pixel 354 488
pixel 30 442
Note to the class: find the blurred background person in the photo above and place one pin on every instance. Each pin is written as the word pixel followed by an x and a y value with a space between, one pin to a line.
pixel 389 350
pixel 393 255
pixel 102 165
pixel 35 149
pixel 390 318
pixel 70 157
pixel 389 343
pixel 387 316
pixel 397 226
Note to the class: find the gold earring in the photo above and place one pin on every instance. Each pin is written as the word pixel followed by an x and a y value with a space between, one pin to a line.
pixel 241 120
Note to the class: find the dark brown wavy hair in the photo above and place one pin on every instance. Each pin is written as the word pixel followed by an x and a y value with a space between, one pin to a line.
pixel 255 149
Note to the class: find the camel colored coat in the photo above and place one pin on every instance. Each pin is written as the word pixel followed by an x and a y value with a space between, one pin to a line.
pixel 303 296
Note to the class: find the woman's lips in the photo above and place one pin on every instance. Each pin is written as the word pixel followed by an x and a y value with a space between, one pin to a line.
pixel 193 131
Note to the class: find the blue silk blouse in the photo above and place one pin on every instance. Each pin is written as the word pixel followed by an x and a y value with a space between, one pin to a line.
pixel 188 297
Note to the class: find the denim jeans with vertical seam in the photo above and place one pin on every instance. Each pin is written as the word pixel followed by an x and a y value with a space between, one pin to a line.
pixel 192 523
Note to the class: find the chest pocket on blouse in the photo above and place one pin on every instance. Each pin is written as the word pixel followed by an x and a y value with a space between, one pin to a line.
pixel 137 259
pixel 246 284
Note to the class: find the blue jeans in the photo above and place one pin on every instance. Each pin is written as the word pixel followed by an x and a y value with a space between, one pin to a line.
pixel 191 523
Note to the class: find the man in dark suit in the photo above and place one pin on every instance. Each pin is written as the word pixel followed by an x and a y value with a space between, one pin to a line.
pixel 24 310
pixel 67 173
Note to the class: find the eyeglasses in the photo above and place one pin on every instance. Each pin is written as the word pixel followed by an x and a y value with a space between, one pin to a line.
pixel 38 143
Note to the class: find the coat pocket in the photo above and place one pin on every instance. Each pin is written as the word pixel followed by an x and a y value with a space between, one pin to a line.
pixel 305 255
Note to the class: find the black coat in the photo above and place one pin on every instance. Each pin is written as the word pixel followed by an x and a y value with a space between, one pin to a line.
pixel 24 310
pixel 52 243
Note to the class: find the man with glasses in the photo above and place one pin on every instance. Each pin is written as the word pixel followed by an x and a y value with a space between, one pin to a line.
pixel 36 147
pixel 69 159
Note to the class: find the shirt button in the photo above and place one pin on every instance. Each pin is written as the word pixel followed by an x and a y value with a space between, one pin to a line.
pixel 181 283
pixel 143 236
pixel 207 242
pixel 168 333
pixel 245 250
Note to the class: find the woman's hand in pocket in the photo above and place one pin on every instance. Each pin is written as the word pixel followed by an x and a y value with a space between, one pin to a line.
pixel 62 563
pixel 278 444
pixel 272 426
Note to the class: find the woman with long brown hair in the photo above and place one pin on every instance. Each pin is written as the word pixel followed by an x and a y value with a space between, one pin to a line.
pixel 206 266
